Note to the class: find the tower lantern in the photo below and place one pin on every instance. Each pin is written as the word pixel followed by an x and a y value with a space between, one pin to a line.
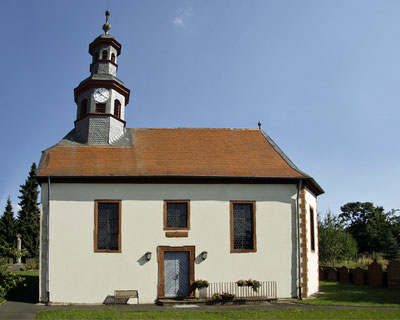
pixel 101 98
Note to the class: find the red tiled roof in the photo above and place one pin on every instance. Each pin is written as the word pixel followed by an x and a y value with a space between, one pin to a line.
pixel 171 152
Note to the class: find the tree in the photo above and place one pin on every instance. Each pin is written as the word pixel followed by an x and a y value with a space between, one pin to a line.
pixel 8 231
pixel 29 214
pixel 335 244
pixel 367 224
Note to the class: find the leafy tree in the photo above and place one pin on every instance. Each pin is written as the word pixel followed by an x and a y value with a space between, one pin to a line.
pixel 29 215
pixel 367 224
pixel 392 248
pixel 8 228
pixel 395 224
pixel 335 244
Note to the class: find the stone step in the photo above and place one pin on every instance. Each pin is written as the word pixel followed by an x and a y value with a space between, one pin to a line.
pixel 166 301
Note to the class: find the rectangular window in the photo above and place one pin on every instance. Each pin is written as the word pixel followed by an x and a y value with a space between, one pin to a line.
pixel 176 215
pixel 100 107
pixel 312 232
pixel 107 220
pixel 243 227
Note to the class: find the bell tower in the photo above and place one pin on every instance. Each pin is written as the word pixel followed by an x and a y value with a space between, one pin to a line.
pixel 101 98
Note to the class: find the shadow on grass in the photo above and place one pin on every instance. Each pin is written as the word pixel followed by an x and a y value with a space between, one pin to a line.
pixel 27 291
pixel 335 293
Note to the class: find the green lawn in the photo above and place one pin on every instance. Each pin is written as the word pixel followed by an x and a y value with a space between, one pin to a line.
pixel 34 273
pixel 242 314
pixel 346 294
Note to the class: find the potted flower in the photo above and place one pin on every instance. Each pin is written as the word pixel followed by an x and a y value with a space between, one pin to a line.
pixel 198 285
pixel 241 283
pixel 255 284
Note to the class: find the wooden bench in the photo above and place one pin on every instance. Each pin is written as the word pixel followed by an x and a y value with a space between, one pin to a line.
pixel 122 296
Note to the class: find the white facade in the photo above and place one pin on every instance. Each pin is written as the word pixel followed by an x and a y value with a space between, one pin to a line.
pixel 77 274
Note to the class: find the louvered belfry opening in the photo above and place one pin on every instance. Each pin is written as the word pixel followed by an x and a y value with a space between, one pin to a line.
pixel 177 215
pixel 101 108
pixel 117 108
pixel 107 226
pixel 243 226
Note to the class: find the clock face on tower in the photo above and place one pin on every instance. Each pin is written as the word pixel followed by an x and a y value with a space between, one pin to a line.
pixel 101 95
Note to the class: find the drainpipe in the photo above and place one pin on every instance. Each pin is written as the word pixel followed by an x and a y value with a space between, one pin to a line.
pixel 298 235
pixel 48 242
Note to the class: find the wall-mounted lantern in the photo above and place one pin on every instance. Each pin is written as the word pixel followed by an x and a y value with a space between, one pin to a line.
pixel 204 255
pixel 148 256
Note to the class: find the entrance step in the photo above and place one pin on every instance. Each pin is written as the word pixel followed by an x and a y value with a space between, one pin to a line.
pixel 166 301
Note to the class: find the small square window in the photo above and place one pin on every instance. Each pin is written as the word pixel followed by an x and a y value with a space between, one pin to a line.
pixel 176 215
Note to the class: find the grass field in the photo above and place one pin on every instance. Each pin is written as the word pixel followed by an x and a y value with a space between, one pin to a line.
pixel 33 273
pixel 347 294
pixel 242 314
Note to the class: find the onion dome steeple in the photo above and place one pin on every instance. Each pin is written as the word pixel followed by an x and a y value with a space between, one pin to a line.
pixel 101 98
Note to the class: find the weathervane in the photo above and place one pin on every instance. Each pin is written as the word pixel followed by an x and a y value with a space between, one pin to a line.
pixel 259 125
pixel 107 25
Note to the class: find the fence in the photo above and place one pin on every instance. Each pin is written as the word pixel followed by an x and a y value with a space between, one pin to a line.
pixel 267 290
pixel 373 276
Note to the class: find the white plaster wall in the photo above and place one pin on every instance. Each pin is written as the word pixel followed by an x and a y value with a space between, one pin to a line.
pixel 313 261
pixel 79 275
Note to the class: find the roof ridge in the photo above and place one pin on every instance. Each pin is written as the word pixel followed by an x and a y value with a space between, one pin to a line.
pixel 198 128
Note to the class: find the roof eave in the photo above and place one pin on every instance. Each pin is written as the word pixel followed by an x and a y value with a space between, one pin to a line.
pixel 315 188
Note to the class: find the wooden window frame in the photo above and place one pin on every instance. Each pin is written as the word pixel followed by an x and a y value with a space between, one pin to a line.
pixel 96 202
pixel 312 229
pixel 165 214
pixel 161 280
pixel 233 250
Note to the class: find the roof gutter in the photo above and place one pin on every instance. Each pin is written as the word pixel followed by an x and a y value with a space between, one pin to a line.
pixel 48 243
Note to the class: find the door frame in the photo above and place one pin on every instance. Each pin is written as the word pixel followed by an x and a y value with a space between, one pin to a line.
pixel 161 280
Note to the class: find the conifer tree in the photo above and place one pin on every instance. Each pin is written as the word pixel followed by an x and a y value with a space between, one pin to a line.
pixel 8 231
pixel 29 214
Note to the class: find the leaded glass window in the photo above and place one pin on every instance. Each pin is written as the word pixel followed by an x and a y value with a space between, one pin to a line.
pixel 177 214
pixel 312 232
pixel 243 237
pixel 108 226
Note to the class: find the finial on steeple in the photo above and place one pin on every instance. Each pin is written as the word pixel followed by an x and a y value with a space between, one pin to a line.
pixel 259 125
pixel 107 25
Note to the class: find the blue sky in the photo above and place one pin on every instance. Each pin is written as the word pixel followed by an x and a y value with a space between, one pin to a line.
pixel 323 77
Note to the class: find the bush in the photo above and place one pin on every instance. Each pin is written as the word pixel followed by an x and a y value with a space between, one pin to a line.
pixel 222 297
pixel 8 280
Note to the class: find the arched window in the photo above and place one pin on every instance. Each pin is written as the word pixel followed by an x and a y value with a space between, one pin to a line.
pixel 112 57
pixel 83 109
pixel 96 56
pixel 117 108
pixel 104 55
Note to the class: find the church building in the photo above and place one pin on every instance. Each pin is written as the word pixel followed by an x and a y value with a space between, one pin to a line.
pixel 153 210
